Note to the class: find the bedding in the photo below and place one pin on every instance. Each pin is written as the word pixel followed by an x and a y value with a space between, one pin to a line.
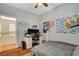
pixel 53 48
pixel 76 51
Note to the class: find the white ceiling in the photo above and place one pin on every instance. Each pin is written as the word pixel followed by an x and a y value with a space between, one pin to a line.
pixel 30 7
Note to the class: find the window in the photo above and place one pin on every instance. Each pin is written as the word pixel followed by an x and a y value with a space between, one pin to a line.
pixel 12 27
pixel 8 18
pixel 0 30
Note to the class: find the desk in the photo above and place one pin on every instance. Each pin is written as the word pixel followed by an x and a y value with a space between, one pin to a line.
pixel 28 40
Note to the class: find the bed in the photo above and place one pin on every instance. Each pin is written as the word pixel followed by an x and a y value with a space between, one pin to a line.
pixel 55 48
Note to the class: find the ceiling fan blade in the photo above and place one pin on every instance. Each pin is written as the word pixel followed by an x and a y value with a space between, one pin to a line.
pixel 36 5
pixel 45 4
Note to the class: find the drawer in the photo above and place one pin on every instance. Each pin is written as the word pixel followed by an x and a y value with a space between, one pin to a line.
pixel 28 42
pixel 29 46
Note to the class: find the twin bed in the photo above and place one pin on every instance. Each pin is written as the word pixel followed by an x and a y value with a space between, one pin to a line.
pixel 55 48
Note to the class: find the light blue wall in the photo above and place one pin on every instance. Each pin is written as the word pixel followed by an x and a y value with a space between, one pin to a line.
pixel 20 32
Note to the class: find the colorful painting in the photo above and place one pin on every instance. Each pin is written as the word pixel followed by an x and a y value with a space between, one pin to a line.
pixel 60 26
pixel 68 24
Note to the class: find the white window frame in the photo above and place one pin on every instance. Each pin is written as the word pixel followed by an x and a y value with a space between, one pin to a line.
pixel 0 30
pixel 12 29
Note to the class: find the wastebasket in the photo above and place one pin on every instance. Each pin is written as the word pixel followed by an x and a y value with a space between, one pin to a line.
pixel 23 45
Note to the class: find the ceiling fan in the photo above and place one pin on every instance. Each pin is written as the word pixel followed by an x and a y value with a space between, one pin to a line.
pixel 45 4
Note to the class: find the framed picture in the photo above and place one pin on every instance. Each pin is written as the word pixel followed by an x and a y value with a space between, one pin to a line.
pixel 45 27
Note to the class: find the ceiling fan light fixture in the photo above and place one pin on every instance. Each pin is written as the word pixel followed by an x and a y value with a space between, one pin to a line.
pixel 38 4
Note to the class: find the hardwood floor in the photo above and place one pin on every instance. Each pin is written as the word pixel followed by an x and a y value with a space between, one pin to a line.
pixel 16 52
pixel 7 47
